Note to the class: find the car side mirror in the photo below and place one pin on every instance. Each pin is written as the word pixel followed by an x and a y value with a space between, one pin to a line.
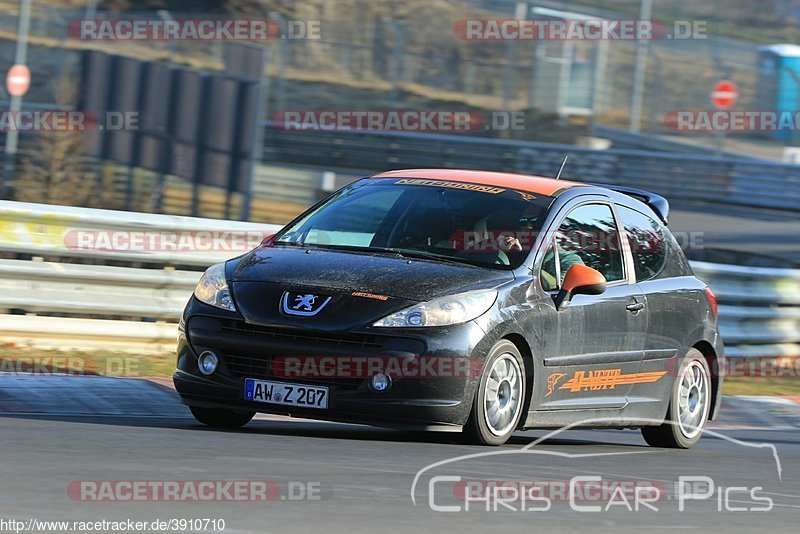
pixel 580 280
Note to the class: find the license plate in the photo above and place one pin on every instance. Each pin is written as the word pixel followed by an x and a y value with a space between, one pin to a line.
pixel 286 394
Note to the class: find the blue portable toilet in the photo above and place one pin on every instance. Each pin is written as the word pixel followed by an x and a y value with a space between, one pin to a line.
pixel 779 82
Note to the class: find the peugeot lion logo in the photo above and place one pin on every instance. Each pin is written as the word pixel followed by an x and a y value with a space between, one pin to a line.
pixel 305 304
pixel 305 301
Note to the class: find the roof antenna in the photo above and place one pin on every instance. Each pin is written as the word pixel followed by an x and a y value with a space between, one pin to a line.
pixel 562 167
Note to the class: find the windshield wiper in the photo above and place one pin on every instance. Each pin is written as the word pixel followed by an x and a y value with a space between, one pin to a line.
pixel 399 252
pixel 424 254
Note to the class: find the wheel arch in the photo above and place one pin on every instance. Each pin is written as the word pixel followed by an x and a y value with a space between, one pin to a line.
pixel 710 355
pixel 525 350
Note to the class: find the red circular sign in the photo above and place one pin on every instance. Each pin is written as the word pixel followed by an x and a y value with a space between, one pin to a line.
pixel 18 80
pixel 724 94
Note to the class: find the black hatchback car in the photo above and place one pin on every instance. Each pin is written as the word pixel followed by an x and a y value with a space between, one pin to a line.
pixel 467 301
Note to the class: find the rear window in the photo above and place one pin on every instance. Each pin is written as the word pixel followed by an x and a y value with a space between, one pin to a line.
pixel 647 240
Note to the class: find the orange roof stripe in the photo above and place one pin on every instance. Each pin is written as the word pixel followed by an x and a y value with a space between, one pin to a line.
pixel 530 184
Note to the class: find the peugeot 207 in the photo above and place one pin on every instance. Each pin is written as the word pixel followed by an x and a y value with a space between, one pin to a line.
pixel 469 301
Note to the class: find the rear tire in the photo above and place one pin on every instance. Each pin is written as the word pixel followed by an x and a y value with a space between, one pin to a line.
pixel 221 417
pixel 689 406
pixel 500 398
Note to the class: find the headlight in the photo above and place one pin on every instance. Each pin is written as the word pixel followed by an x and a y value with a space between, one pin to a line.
pixel 453 309
pixel 213 288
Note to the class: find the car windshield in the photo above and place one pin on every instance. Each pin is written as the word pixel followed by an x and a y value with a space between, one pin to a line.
pixel 487 226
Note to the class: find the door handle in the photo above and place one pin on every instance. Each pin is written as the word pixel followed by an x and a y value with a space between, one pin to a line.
pixel 635 307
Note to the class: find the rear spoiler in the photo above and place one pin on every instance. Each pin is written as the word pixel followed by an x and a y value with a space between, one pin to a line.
pixel 657 203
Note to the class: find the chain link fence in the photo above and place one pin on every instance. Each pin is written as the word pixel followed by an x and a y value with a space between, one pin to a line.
pixel 414 55
pixel 410 55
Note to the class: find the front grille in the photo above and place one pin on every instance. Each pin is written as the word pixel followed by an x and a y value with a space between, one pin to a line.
pixel 322 339
pixel 261 365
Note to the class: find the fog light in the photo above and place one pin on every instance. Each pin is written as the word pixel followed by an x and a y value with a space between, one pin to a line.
pixel 380 383
pixel 207 362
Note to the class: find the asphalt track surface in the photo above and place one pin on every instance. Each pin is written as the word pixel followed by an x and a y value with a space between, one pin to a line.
pixel 56 430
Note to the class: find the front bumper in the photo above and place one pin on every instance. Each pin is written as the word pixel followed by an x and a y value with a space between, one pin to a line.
pixel 440 397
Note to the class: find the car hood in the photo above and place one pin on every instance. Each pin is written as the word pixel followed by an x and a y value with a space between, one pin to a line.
pixel 363 287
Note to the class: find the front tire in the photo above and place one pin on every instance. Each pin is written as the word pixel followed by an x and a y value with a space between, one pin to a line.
pixel 689 406
pixel 221 417
pixel 499 401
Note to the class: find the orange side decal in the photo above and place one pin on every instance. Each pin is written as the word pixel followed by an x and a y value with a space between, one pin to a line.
pixel 601 379
pixel 552 380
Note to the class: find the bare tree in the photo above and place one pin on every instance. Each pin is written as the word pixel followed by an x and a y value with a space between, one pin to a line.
pixel 53 170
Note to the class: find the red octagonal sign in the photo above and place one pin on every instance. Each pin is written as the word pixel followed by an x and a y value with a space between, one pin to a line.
pixel 18 80
pixel 725 94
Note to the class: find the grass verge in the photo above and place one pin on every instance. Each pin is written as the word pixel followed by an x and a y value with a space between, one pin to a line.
pixel 761 386
pixel 16 359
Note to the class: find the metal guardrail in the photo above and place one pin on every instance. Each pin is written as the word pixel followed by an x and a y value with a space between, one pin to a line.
pixel 741 181
pixel 47 230
pixel 154 295
pixel 44 287
pixel 625 139
pixel 759 307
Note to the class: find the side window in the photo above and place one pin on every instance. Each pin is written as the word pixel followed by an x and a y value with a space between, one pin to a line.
pixel 588 236
pixel 646 239
pixel 549 276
